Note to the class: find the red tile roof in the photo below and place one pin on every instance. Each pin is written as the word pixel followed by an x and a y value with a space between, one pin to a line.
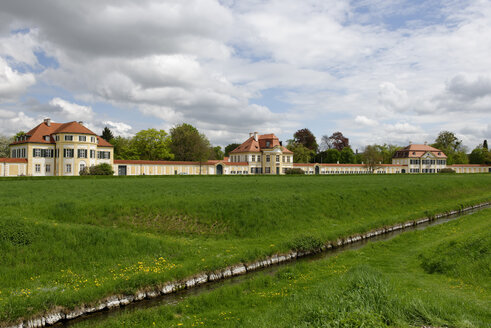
pixel 343 165
pixel 416 151
pixel 13 160
pixel 252 145
pixel 37 134
pixel 103 142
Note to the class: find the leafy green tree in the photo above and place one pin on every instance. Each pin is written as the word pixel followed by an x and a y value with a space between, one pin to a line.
pixel 306 138
pixel 333 155
pixel 387 151
pixel 485 144
pixel 19 134
pixel 4 146
pixel 124 148
pixel 152 144
pixel 216 153
pixel 301 154
pixel 372 157
pixel 347 156
pixel 451 145
pixel 478 155
pixel 230 147
pixel 187 144
pixel 107 134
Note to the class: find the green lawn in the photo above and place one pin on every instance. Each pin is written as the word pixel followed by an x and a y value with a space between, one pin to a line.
pixel 66 241
pixel 440 276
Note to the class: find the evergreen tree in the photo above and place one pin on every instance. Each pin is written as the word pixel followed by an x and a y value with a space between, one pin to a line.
pixel 107 134
pixel 485 144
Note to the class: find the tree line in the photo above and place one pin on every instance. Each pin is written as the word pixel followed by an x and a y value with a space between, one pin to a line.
pixel 336 149
pixel 185 143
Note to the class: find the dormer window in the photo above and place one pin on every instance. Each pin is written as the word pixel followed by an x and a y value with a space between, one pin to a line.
pixel 439 153
pixel 267 144
pixel 46 138
pixel 414 153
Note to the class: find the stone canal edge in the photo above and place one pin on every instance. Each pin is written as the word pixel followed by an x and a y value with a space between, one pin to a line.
pixel 62 314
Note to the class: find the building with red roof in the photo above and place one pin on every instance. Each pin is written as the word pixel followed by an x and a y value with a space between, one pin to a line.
pixel 57 149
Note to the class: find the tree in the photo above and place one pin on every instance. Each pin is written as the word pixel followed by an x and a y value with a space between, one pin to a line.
pixel 479 155
pixel 4 146
pixel 387 152
pixel 335 141
pixel 306 138
pixel 454 149
pixel 216 153
pixel 372 158
pixel 333 155
pixel 187 144
pixel 230 147
pixel 152 145
pixel 301 154
pixel 347 156
pixel 485 144
pixel 107 134
pixel 124 148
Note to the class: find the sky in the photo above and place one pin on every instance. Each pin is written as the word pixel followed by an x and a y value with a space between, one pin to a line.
pixel 379 71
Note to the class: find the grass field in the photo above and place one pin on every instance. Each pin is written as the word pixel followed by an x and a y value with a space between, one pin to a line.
pixel 73 240
pixel 439 276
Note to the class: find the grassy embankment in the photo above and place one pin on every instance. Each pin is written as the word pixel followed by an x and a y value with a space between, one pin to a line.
pixel 439 276
pixel 69 241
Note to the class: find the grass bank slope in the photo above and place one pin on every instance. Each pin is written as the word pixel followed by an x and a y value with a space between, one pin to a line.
pixel 69 241
pixel 439 277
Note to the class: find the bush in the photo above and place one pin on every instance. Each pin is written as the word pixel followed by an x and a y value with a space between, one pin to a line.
pixel 447 170
pixel 294 171
pixel 306 243
pixel 101 169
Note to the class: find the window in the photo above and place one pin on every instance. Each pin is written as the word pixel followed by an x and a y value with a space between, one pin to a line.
pixel 68 138
pixel 38 168
pixel 37 152
pixel 68 153
pixel 82 153
pixel 258 158
pixel 92 153
pixel 268 158
pixel 277 158
pixel 57 138
pixel 104 155
pixel 82 138
pixel 46 138
pixel 267 170
pixel 252 170
pixel 253 158
pixel 268 144
pixel 48 168
pixel 82 167
pixel 68 168
pixel 92 139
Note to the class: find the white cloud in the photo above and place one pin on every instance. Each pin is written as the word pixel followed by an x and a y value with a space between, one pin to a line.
pixel 119 128
pixel 393 98
pixel 71 111
pixel 363 120
pixel 12 122
pixel 12 83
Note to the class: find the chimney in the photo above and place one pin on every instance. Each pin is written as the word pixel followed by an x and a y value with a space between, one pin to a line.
pixel 251 134
pixel 47 121
pixel 81 122
pixel 281 143
pixel 255 136
pixel 426 143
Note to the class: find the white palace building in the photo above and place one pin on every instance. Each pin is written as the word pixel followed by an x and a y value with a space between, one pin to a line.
pixel 64 149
